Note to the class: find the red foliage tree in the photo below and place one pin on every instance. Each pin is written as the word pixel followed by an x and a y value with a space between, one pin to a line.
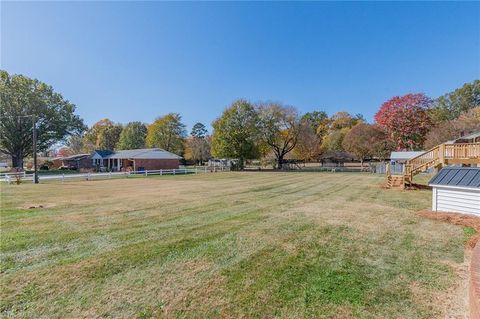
pixel 405 119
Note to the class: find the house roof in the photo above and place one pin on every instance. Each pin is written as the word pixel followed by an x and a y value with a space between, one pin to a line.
pixel 404 155
pixel 103 153
pixel 72 157
pixel 471 136
pixel 457 176
pixel 146 153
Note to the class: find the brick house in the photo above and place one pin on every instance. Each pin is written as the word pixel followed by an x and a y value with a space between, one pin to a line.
pixel 77 161
pixel 134 160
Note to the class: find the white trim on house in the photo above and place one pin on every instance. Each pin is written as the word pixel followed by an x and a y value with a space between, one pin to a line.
pixel 454 187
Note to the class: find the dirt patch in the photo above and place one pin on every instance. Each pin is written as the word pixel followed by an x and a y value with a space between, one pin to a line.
pixel 457 219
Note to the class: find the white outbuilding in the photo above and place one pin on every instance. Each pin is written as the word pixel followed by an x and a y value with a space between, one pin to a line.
pixel 457 190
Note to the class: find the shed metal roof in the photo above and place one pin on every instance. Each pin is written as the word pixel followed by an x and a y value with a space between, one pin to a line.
pixel 146 153
pixel 404 155
pixel 457 176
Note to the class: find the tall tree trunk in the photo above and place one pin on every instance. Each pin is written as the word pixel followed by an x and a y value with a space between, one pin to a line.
pixel 241 163
pixel 17 159
pixel 279 162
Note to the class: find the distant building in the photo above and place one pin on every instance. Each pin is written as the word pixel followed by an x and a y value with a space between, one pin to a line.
pixel 135 160
pixel 126 160
pixel 470 138
pixel 403 156
pixel 77 161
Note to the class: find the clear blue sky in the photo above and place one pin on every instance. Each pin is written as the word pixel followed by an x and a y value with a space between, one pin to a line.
pixel 139 60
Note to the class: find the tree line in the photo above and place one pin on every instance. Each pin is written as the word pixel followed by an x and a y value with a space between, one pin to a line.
pixel 244 131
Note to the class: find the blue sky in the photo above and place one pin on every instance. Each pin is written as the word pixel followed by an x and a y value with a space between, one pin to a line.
pixel 139 60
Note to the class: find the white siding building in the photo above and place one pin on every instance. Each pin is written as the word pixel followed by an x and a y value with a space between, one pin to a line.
pixel 456 190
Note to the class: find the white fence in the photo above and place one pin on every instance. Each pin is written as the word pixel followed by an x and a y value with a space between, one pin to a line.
pixel 12 177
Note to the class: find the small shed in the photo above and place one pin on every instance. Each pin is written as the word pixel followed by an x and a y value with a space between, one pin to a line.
pixel 456 189
pixel 402 156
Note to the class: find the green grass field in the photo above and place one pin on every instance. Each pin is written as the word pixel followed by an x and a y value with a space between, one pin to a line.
pixel 230 245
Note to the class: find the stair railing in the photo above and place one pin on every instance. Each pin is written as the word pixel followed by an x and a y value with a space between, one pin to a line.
pixel 423 161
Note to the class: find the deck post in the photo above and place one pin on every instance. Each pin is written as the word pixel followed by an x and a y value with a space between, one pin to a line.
pixel 441 154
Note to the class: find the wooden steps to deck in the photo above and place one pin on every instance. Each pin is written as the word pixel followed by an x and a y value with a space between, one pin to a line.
pixel 395 181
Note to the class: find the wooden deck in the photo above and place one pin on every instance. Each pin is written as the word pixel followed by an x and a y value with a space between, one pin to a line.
pixel 437 157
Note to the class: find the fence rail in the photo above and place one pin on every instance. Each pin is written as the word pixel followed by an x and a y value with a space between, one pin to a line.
pixel 12 177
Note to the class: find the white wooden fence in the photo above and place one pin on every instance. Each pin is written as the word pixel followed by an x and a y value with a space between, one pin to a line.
pixel 12 177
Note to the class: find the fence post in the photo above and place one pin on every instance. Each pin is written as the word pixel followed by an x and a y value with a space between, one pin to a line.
pixel 205 169
pixel 185 173
pixel 196 170
pixel 63 177
pixel 161 172
pixel 146 172
pixel 174 171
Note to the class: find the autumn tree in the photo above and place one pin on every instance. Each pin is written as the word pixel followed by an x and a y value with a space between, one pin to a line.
pixel 197 149
pixel 466 123
pixel 333 141
pixel 168 133
pixel 451 105
pixel 197 145
pixel 279 128
pixel 104 134
pixel 132 136
pixel 342 120
pixel 338 126
pixel 406 120
pixel 313 126
pixel 23 101
pixel 366 141
pixel 318 121
pixel 235 133
pixel 79 144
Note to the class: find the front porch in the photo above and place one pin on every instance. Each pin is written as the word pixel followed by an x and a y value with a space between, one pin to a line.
pixel 114 164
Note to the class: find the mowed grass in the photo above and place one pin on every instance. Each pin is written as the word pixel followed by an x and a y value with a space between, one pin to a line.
pixel 230 245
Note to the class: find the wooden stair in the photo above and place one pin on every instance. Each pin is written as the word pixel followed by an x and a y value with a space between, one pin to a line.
pixel 437 157
pixel 395 181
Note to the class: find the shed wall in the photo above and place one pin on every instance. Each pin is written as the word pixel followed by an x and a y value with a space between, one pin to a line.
pixel 456 200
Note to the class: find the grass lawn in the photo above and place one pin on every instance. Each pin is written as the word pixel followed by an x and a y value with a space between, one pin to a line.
pixel 248 245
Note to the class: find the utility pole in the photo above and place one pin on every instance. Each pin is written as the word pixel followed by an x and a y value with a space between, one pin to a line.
pixel 35 173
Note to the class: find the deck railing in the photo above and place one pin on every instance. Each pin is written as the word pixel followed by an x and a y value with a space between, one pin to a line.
pixel 462 151
pixel 439 155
